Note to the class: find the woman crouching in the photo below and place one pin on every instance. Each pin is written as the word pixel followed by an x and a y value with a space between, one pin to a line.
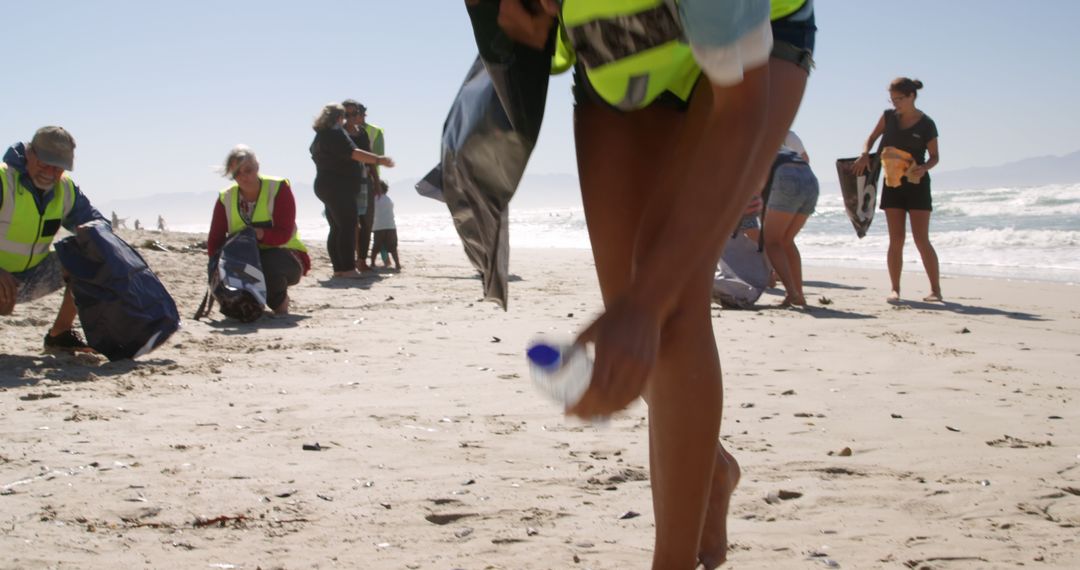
pixel 266 204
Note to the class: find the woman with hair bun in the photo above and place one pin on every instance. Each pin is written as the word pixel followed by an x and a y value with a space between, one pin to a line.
pixel 909 148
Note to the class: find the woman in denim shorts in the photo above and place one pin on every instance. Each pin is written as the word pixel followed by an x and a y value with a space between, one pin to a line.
pixel 793 194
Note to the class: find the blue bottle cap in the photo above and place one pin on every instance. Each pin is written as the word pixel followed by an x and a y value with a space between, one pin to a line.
pixel 543 355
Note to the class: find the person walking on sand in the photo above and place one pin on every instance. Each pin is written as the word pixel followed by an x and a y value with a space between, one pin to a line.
pixel 161 224
pixel 338 175
pixel 908 136
pixel 38 198
pixel 658 221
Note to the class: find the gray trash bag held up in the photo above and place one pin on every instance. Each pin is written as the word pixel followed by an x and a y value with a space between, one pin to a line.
pixel 742 274
pixel 488 137
pixel 859 192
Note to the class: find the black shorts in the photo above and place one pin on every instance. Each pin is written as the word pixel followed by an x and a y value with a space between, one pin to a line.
pixel 908 196
pixel 384 240
pixel 793 39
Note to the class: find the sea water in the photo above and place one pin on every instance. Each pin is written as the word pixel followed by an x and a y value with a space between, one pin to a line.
pixel 1019 233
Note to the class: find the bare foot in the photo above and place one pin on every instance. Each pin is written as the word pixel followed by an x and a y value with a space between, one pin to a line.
pixel 894 297
pixel 362 266
pixel 933 297
pixel 354 274
pixel 712 551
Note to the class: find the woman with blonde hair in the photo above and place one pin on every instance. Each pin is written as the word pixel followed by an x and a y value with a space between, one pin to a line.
pixel 266 204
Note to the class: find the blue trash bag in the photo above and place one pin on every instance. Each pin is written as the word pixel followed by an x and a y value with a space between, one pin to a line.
pixel 236 279
pixel 124 309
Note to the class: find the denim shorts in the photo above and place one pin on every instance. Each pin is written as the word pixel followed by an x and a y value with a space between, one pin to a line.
pixel 793 38
pixel 39 280
pixel 794 189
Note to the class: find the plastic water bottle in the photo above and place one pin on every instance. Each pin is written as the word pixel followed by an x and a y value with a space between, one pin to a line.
pixel 561 371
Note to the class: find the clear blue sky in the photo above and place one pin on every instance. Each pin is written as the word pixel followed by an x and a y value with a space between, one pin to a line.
pixel 157 93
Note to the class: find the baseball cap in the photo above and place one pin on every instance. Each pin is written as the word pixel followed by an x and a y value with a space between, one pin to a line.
pixel 54 146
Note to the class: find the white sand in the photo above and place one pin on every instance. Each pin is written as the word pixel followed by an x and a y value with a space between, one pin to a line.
pixel 965 445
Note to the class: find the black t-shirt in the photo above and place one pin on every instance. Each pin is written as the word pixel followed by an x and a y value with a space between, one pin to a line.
pixel 332 153
pixel 912 140
pixel 360 139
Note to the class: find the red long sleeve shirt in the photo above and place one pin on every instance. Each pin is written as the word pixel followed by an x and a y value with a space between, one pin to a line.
pixel 284 224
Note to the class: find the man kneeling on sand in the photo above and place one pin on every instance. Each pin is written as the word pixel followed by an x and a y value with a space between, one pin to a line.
pixel 37 199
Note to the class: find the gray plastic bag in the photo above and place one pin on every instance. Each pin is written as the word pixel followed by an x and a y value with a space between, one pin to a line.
pixel 487 139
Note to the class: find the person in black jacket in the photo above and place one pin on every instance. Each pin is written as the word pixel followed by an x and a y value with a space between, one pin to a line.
pixel 339 172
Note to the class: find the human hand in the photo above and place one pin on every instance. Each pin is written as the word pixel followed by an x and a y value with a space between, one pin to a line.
pixel 9 288
pixel 385 161
pixel 527 27
pixel 860 165
pixel 627 341
pixel 259 233
pixel 915 173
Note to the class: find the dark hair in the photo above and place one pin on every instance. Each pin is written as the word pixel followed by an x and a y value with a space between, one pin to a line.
pixel 354 105
pixel 905 86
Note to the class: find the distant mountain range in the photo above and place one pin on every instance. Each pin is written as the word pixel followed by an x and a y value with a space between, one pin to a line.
pixel 1037 171
pixel 560 190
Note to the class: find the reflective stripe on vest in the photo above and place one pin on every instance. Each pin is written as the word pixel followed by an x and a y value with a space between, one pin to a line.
pixel 632 50
pixel 22 244
pixel 264 210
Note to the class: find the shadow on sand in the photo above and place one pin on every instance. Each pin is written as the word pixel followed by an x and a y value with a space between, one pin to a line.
pixel 831 285
pixel 819 312
pixel 14 369
pixel 962 309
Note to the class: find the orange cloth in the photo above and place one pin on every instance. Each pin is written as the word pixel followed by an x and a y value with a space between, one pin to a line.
pixel 897 163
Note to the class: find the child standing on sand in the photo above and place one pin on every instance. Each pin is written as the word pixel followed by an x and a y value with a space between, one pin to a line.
pixel 384 229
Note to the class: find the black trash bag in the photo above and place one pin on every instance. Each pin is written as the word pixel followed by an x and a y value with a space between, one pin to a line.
pixel 236 279
pixel 488 137
pixel 860 192
pixel 431 185
pixel 124 309
pixel 742 274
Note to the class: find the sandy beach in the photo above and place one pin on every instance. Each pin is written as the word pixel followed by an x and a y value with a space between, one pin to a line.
pixel 870 436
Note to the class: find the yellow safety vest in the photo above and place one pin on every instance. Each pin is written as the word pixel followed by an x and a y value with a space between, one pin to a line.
pixel 629 76
pixel 264 210
pixel 378 145
pixel 24 242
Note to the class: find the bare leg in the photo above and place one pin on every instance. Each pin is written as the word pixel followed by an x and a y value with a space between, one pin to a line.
pixel 683 432
pixel 793 255
pixel 685 397
pixel 65 318
pixel 920 232
pixel 787 83
pixel 897 220
pixel 714 544
pixel 776 247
